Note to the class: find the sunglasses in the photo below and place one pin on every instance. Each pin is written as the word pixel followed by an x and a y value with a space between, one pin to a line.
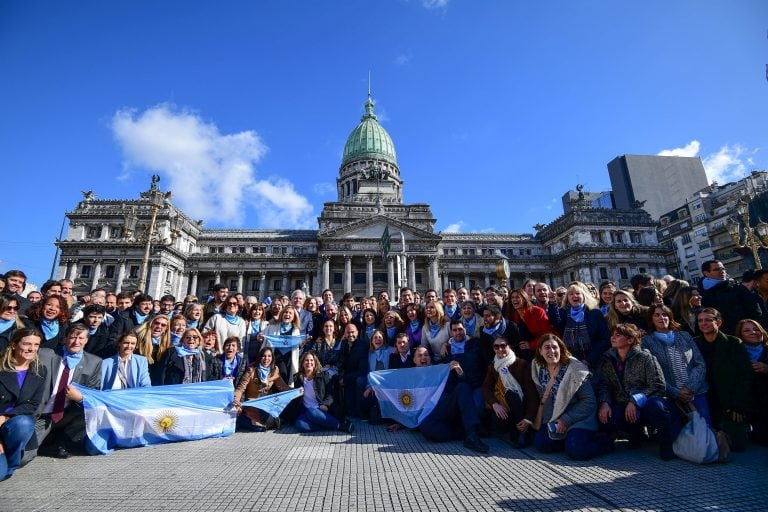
pixel 232 304
pixel 12 308
pixel 191 337
pixel 499 346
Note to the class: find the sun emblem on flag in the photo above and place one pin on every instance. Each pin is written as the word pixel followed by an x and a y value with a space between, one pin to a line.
pixel 166 421
pixel 406 399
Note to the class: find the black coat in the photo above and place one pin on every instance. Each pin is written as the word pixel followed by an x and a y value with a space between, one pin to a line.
pixel 26 400
pixel 733 301
pixel 98 343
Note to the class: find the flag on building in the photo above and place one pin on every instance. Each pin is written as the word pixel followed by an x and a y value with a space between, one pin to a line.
pixel 408 395
pixel 127 418
pixel 284 343
pixel 274 404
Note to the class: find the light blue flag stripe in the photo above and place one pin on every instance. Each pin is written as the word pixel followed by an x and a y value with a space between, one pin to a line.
pixel 274 404
pixel 127 418
pixel 284 343
pixel 408 395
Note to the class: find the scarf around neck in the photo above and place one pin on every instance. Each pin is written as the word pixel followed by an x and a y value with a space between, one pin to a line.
pixel 502 365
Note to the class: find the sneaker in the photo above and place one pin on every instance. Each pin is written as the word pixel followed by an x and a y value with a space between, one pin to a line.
pixel 474 443
pixel 346 426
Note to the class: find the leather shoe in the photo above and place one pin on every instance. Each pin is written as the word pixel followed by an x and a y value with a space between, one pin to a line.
pixel 61 453
pixel 474 443
pixel 346 426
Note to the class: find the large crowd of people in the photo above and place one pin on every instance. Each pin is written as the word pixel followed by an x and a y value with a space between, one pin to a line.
pixel 575 368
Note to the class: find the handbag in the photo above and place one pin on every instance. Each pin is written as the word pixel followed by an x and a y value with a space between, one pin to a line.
pixel 544 397
pixel 696 442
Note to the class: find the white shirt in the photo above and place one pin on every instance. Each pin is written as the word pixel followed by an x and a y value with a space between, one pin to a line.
pixel 49 406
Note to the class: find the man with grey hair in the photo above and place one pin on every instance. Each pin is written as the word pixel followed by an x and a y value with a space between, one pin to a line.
pixel 305 317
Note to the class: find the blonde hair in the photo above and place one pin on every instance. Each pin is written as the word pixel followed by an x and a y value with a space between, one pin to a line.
pixel 144 339
pixel 8 363
pixel 589 300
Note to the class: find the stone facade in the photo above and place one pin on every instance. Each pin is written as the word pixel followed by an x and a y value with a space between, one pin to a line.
pixel 344 253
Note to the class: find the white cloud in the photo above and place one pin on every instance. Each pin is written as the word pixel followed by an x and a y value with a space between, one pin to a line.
pixel 403 59
pixel 435 4
pixel 323 189
pixel 455 227
pixel 729 163
pixel 690 149
pixel 212 175
pixel 551 204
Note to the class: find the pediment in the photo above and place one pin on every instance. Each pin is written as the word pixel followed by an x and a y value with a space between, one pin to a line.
pixel 373 227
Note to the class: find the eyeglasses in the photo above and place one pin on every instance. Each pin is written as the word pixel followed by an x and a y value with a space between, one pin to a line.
pixel 232 304
pixel 499 346
pixel 561 295
pixel 11 308
pixel 191 337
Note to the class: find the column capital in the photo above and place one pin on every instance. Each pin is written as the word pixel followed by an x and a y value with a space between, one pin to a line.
pixel 369 257
pixel 193 272
pixel 347 257
pixel 240 272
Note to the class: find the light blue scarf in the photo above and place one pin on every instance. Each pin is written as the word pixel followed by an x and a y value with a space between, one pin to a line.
pixel 156 341
pixel 433 329
pixel 414 325
pixel 92 331
pixel 577 314
pixel 457 347
pixel 140 318
pixel 754 351
pixel 183 351
pixel 263 373
pixel 6 324
pixel 72 359
pixel 175 339
pixel 391 331
pixel 50 328
pixel 708 282
pixel 233 319
pixel 230 366
pixel 668 338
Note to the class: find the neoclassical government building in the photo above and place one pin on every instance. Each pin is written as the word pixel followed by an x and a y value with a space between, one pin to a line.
pixel 106 241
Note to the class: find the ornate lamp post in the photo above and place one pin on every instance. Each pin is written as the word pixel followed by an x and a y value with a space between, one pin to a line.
pixel 157 200
pixel 755 237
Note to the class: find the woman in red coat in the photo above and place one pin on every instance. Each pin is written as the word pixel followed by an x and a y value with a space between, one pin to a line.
pixel 532 322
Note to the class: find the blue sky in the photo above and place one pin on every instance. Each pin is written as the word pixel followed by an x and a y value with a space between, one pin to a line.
pixel 495 108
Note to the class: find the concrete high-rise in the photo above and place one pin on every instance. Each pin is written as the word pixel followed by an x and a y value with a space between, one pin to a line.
pixel 662 182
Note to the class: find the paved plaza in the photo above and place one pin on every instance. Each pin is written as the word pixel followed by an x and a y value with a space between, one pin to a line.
pixel 374 470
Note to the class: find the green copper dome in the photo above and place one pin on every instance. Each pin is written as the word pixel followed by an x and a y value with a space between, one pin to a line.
pixel 369 139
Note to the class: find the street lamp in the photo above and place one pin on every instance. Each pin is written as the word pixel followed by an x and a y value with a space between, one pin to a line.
pixel 157 200
pixel 755 237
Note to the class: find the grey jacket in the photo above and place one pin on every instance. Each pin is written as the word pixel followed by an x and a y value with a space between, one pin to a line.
pixel 574 402
pixel 697 370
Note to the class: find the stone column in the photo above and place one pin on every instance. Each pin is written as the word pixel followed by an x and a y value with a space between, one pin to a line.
pixel 120 276
pixel 217 277
pixel 285 283
pixel 412 272
pixel 193 283
pixel 307 284
pixel 488 281
pixel 391 277
pixel 96 274
pixel 369 275
pixel 445 281
pixel 466 280
pixel 262 286
pixel 326 272
pixel 434 278
pixel 347 274
pixel 240 281
pixel 73 271
pixel 104 232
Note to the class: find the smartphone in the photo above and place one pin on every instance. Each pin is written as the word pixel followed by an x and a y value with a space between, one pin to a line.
pixel 552 427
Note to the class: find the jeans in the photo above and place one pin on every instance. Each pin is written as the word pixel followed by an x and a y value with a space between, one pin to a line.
pixel 655 414
pixel 678 416
pixel 314 419
pixel 579 443
pixel 14 434
pixel 455 415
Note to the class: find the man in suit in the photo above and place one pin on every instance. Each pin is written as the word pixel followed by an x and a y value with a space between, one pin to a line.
pixel 305 317
pixel 61 424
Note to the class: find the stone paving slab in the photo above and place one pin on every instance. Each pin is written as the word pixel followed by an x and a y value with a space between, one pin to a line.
pixel 375 470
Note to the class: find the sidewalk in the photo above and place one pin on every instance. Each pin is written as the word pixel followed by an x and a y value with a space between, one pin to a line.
pixel 374 470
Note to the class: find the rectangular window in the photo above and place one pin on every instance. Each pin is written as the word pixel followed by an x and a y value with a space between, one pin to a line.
pixel 85 271
pixel 358 278
pixel 704 245
pixel 452 252
pixel 277 285
pixel 686 239
pixel 700 217
pixel 297 284
pixel 379 277
pixel 445 252
pixel 452 283
pixel 134 273
pixel 635 238
pixel 168 276
pixel 337 278
pixel 597 237
pixel 233 285
pixel 472 252
pixel 255 285
pixel 623 273
pixel 689 252
pixel 700 232
pixel 641 270
pixel 109 271
pixel 115 232
pixel 418 278
pixel 603 273
pixel 94 232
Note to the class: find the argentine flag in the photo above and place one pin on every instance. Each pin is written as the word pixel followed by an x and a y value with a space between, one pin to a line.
pixel 126 418
pixel 284 343
pixel 274 404
pixel 408 395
